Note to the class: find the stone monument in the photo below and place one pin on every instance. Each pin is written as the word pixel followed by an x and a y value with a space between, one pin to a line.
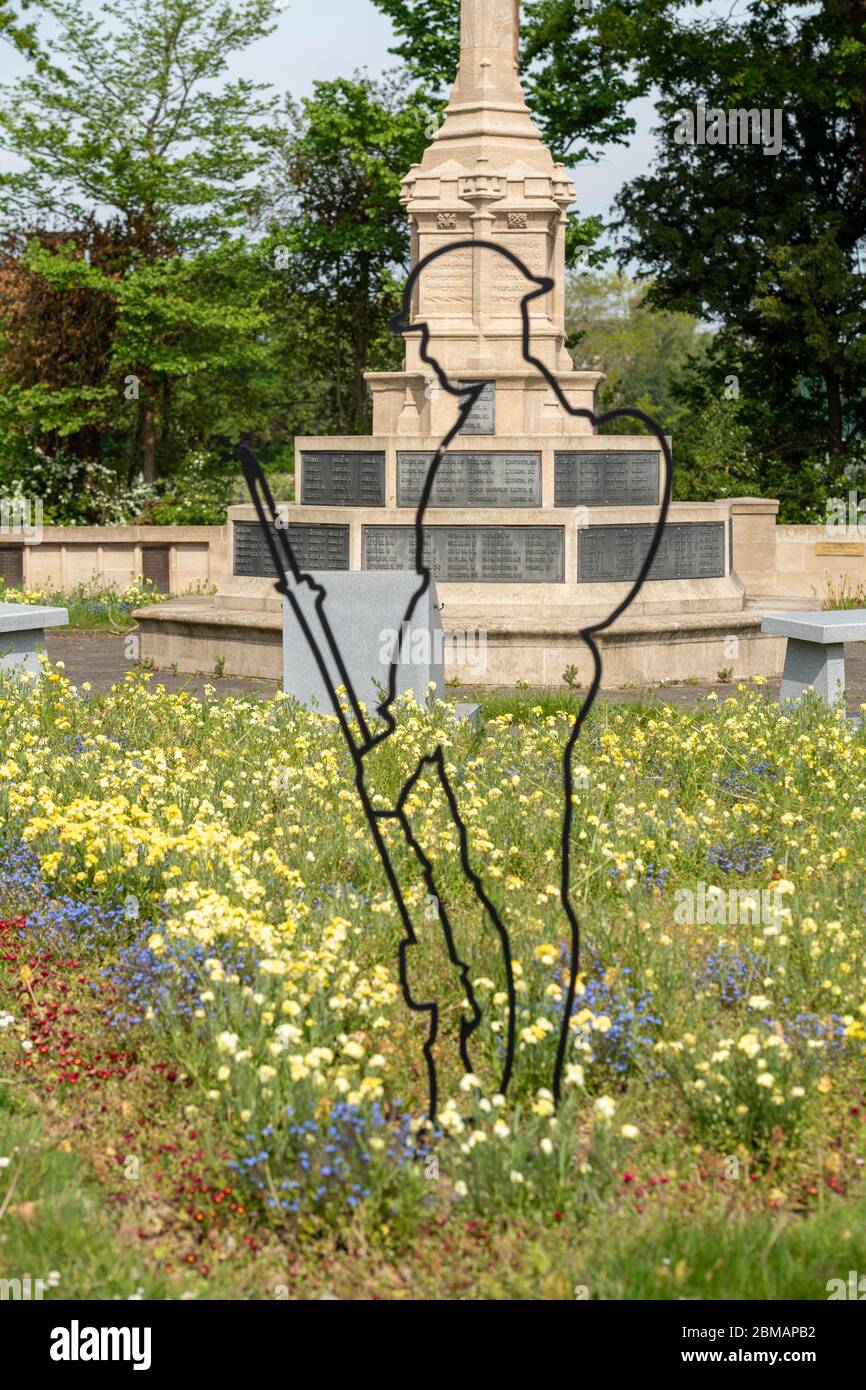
pixel 536 523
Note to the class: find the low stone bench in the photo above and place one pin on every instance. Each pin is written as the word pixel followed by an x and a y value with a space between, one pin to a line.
pixel 815 656
pixel 22 635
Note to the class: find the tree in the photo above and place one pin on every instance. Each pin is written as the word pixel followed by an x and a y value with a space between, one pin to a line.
pixel 338 231
pixel 127 125
pixel 642 351
pixel 770 247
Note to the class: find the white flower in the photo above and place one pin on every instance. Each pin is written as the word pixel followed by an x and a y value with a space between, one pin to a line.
pixel 516 1178
pixel 460 1188
pixel 227 1042
pixel 605 1107
pixel 630 1132
pixel 546 1146
pixel 4 1162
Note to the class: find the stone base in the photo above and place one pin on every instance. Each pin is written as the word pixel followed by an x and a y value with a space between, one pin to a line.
pixel 22 636
pixel 365 614
pixel 200 636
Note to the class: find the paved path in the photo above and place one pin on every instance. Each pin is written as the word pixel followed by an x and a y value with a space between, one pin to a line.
pixel 100 658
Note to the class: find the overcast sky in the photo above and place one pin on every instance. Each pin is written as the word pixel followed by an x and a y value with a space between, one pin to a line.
pixel 330 38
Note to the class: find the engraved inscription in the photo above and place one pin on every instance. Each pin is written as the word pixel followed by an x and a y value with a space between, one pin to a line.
pixel 614 479
pixel 482 416
pixel 315 547
pixel 473 554
pixel 343 479
pixel 471 480
pixel 689 550
pixel 446 284
pixel 508 284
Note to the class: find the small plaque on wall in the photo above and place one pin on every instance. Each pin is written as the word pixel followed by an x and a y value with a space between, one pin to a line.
pixel 472 554
pixel 482 417
pixel 471 480
pixel 840 548
pixel 610 479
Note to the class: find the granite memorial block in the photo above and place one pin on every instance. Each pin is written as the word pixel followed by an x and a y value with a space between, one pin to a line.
pixel 365 613
pixel 22 636
pixel 815 651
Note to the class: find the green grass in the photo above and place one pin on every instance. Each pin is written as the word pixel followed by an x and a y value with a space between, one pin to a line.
pixel 724 1256
pixel 94 606
pixel 52 1218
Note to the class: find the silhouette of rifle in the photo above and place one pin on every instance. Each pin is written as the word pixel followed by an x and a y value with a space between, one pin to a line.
pixel 360 739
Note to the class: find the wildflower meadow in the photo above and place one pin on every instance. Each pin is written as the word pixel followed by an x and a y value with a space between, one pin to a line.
pixel 209 1073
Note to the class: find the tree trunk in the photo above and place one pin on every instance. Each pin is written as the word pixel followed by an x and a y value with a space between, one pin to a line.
pixel 835 440
pixel 148 440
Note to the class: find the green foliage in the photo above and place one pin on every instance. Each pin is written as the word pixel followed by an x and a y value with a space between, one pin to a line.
pixel 196 494
pixel 338 235
pixel 136 119
pixel 128 118
pixel 642 351
pixel 765 246
pixel 73 490
pixel 59 1225
pixel 93 605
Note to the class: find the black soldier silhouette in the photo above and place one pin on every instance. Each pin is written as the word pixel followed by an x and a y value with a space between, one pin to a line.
pixel 363 736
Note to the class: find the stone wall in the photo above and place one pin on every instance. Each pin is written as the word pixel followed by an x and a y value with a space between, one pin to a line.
pixel 778 561
pixel 176 558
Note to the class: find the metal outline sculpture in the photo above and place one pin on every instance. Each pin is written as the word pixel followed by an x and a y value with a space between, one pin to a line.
pixel 289 573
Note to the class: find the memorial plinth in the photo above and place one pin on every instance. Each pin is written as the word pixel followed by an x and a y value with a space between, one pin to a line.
pixel 537 524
